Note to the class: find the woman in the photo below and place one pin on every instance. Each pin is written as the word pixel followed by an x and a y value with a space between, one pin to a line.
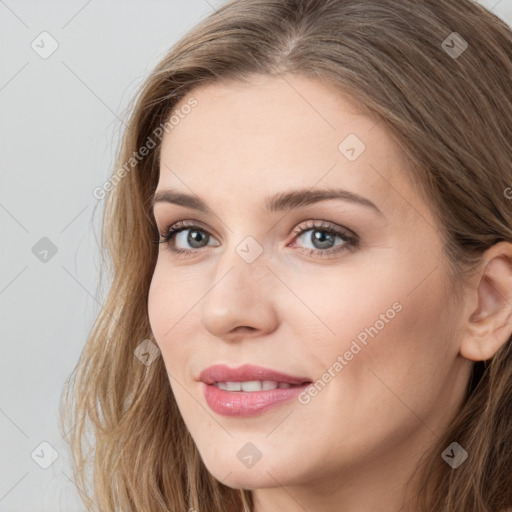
pixel 310 234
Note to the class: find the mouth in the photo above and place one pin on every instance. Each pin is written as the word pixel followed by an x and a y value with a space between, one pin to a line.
pixel 248 375
pixel 254 385
pixel 248 390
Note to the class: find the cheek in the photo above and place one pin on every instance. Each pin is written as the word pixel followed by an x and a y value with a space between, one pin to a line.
pixel 353 305
pixel 167 298
pixel 156 308
pixel 393 373
pixel 163 308
pixel 405 361
pixel 167 312
pixel 172 313
pixel 391 330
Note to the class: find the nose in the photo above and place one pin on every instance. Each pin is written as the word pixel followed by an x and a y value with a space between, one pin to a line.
pixel 240 300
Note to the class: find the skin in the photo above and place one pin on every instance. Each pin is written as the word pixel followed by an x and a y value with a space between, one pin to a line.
pixel 356 443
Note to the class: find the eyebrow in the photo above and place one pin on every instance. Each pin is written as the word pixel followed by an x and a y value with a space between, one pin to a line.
pixel 281 201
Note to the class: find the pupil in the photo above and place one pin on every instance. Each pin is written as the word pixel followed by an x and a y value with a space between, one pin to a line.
pixel 192 237
pixel 321 238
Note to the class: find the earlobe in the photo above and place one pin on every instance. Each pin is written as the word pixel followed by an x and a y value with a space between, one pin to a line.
pixel 489 325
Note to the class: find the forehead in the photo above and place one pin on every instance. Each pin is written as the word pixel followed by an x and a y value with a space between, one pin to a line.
pixel 273 110
pixel 261 137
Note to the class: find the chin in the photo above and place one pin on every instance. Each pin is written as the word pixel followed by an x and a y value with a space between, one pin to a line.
pixel 247 478
pixel 229 468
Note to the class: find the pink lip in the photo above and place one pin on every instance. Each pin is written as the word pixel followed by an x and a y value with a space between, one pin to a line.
pixel 223 373
pixel 241 403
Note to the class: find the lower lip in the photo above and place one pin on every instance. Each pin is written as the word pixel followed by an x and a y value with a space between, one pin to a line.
pixel 247 403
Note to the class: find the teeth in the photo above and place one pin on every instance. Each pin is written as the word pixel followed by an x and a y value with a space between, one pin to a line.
pixel 252 385
pixel 233 386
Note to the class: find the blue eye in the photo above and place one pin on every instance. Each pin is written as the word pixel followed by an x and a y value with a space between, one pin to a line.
pixel 323 238
pixel 196 237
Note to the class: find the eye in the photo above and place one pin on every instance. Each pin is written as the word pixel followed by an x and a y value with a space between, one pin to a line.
pixel 323 238
pixel 184 232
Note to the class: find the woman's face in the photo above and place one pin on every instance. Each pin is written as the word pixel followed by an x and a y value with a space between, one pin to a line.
pixel 349 293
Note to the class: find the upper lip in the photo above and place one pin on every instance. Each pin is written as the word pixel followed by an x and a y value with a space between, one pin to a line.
pixel 246 372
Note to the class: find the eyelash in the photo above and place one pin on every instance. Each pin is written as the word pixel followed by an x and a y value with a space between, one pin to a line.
pixel 350 238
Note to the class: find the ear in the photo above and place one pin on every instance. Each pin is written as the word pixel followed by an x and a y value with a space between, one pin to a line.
pixel 489 326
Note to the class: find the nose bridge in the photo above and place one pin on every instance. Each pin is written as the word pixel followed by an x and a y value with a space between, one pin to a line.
pixel 240 290
pixel 242 268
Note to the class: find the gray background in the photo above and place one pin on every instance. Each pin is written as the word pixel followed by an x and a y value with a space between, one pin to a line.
pixel 60 121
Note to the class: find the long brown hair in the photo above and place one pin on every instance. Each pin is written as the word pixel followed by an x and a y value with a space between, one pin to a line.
pixel 438 74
